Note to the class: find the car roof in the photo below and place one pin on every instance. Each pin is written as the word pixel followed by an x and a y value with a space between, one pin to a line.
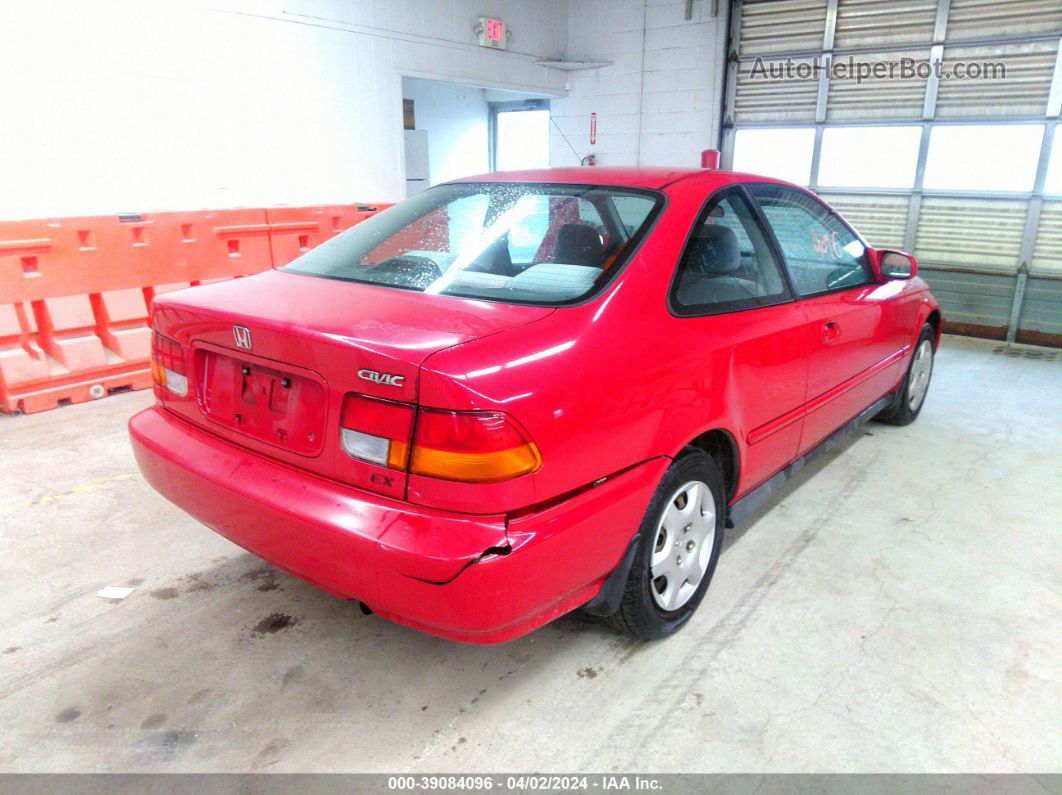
pixel 653 177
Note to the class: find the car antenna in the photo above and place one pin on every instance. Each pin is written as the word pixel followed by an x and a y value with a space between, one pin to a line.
pixel 583 161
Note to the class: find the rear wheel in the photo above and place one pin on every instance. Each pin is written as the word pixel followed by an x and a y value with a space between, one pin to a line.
pixel 909 399
pixel 679 543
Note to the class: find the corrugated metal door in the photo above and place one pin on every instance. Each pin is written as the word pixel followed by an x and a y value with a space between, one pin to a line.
pixel 991 246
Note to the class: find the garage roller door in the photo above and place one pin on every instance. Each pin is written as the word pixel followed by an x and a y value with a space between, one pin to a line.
pixel 957 161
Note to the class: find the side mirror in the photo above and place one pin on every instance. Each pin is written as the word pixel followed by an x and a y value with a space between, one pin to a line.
pixel 893 265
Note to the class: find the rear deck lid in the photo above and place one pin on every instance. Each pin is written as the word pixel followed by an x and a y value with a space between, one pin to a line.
pixel 272 357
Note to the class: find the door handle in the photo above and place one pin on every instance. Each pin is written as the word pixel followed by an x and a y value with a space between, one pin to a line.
pixel 831 330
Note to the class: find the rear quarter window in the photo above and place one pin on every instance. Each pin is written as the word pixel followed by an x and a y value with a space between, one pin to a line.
pixel 728 264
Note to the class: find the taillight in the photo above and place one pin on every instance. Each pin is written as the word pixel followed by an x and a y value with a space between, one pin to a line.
pixel 167 365
pixel 377 431
pixel 471 446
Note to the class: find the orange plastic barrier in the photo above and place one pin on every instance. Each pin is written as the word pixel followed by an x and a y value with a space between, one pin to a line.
pixel 295 230
pixel 75 292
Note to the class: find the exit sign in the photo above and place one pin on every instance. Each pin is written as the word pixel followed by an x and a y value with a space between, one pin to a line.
pixel 491 33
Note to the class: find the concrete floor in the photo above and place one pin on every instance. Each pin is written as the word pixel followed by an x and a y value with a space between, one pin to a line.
pixel 898 610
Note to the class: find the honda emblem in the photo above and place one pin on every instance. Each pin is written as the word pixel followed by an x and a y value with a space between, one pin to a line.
pixel 242 335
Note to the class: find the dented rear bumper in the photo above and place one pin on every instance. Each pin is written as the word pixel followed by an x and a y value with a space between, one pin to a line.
pixel 438 571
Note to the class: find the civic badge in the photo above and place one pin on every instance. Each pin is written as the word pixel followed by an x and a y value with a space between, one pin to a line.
pixel 242 335
pixel 387 379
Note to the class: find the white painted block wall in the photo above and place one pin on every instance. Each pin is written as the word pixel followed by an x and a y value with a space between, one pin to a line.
pixel 658 103
pixel 147 105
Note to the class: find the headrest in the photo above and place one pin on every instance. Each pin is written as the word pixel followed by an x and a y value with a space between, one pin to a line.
pixel 578 244
pixel 715 251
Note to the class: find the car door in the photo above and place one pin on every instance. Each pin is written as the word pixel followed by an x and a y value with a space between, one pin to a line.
pixel 856 344
pixel 735 304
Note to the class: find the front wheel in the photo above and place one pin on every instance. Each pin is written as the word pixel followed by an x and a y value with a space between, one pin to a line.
pixel 909 398
pixel 679 543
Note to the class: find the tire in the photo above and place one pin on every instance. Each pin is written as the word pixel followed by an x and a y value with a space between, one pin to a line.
pixel 674 545
pixel 911 396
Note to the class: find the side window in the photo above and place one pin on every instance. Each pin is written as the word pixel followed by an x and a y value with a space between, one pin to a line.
pixel 632 212
pixel 727 265
pixel 588 213
pixel 821 252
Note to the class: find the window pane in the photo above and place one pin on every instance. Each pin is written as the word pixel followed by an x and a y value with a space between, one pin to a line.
pixel 504 241
pixel 821 252
pixel 523 140
pixel 632 212
pixel 869 157
pixel 1054 168
pixel 983 157
pixel 528 232
pixel 781 153
pixel 728 265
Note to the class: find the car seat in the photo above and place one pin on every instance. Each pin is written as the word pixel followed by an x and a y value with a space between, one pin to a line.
pixel 579 244
pixel 712 260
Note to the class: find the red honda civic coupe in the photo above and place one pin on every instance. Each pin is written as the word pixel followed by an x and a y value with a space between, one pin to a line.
pixel 519 394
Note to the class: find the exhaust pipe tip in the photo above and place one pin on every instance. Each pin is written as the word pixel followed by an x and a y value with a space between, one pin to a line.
pixel 365 609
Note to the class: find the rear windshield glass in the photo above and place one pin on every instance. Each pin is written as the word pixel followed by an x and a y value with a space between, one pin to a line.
pixel 520 243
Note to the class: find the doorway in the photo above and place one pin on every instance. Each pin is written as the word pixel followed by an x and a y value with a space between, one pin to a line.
pixel 452 130
pixel 446 129
pixel 519 135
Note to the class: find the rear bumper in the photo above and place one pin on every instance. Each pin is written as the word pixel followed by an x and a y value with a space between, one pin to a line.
pixel 414 565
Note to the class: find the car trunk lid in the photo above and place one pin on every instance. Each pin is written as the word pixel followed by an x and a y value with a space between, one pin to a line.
pixel 272 357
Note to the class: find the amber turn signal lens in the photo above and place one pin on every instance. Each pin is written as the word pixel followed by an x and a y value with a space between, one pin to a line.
pixel 398 455
pixel 158 372
pixel 167 365
pixel 476 467
pixel 472 446
pixel 377 431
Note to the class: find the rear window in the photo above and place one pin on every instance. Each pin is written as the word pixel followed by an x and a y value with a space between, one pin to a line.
pixel 510 242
